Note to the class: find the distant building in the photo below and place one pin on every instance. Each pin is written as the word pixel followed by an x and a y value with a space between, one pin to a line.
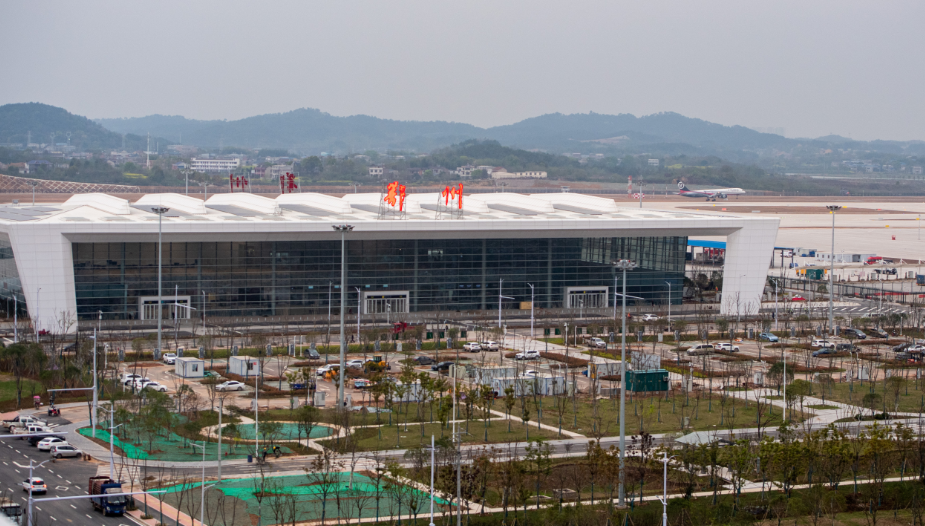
pixel 182 149
pixel 916 170
pixel 215 165
pixel 376 171
pixel 465 171
pixel 260 171
pixel 518 175
pixel 34 166
pixel 653 162
pixel 179 166
pixel 277 170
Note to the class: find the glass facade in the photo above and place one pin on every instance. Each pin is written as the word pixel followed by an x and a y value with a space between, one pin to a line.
pixel 10 285
pixel 298 278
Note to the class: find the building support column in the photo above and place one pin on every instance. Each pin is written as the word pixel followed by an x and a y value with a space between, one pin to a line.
pixel 273 279
pixel 484 271
pixel 414 286
pixel 549 293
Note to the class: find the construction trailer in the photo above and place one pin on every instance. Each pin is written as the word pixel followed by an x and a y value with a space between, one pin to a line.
pixel 245 366
pixel 189 367
pixel 543 385
pixel 646 381
pixel 485 375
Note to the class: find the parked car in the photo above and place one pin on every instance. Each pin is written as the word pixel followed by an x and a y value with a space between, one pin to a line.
pixel 230 385
pixel 490 346
pixel 31 429
pixel 768 337
pixel 36 484
pixel 819 342
pixel 312 354
pixel 423 360
pixel 823 352
pixel 169 358
pixel 878 333
pixel 845 347
pixel 530 373
pixel 725 346
pixel 440 367
pixel 46 443
pixel 362 383
pixel 597 343
pixel 916 349
pixel 65 450
pixel 649 317
pixel 472 347
pixel 354 364
pixel 129 378
pixel 324 369
pixel 902 346
pixel 527 355
pixel 154 386
pixel 700 348
pixel 854 333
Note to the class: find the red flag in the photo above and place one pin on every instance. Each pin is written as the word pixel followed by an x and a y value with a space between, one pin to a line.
pixel 231 182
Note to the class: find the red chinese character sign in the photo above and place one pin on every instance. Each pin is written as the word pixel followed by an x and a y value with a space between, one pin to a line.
pixel 239 182
pixel 453 193
pixel 395 195
pixel 287 183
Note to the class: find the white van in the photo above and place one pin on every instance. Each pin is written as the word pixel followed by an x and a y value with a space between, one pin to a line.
pixel 700 348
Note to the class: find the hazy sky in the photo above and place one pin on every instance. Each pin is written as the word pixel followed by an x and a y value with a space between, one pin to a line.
pixel 813 68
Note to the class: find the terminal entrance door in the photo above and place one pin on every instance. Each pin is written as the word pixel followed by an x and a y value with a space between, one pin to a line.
pixel 586 297
pixel 385 302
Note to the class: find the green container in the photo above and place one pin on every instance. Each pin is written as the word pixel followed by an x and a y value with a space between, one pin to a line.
pixel 815 273
pixel 647 381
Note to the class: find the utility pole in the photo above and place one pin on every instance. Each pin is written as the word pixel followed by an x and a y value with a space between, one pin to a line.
pixel 160 211
pixel 624 265
pixel 832 209
pixel 532 334
pixel 343 229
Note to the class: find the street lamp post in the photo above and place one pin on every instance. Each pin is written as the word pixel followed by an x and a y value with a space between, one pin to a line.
pixel 532 334
pixel 160 211
pixel 832 209
pixel 205 190
pixel 112 464
pixel 343 229
pixel 29 511
pixel 669 303
pixel 500 297
pixel 187 173
pixel 664 498
pixel 623 265
pixel 359 306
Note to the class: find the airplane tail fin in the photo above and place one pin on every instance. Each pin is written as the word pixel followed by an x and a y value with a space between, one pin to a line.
pixel 682 186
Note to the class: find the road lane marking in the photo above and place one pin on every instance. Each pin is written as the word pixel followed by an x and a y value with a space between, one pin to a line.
pixel 53 518
pixel 75 507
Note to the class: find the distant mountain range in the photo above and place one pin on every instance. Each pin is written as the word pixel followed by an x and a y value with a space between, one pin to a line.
pixel 43 124
pixel 313 131
pixel 310 131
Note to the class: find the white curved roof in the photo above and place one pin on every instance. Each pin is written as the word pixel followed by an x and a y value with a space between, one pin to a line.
pixel 433 198
pixel 372 199
pixel 322 201
pixel 264 205
pixel 181 203
pixel 590 202
pixel 103 202
pixel 513 200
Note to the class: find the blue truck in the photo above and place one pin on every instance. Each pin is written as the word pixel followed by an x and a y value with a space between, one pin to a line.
pixel 107 505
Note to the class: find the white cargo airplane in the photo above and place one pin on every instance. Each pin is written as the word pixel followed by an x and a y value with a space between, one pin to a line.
pixel 711 194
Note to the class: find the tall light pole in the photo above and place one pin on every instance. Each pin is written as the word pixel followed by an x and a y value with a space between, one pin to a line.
pixel 532 334
pixel 832 209
pixel 500 297
pixel 343 229
pixel 664 498
pixel 669 303
pixel 359 306
pixel 187 173
pixel 624 265
pixel 160 211
pixel 205 190
pixel 33 183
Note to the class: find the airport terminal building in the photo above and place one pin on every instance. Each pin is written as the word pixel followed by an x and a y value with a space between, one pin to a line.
pixel 243 255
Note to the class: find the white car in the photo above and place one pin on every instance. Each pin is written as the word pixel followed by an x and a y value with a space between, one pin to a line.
pixel 169 358
pixel 650 317
pixel 128 378
pixel 354 364
pixel 726 347
pixel 490 346
pixel 701 348
pixel 824 344
pixel 66 450
pixel 323 370
pixel 138 382
pixel 37 485
pixel 597 343
pixel 46 443
pixel 527 355
pixel 154 386
pixel 530 373
pixel 230 385
pixel 472 347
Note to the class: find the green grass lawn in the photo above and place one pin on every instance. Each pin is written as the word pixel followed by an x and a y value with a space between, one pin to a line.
pixel 853 394
pixel 8 391
pixel 656 415
pixel 396 437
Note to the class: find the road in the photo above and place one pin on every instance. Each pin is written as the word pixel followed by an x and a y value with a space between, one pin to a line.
pixel 65 477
